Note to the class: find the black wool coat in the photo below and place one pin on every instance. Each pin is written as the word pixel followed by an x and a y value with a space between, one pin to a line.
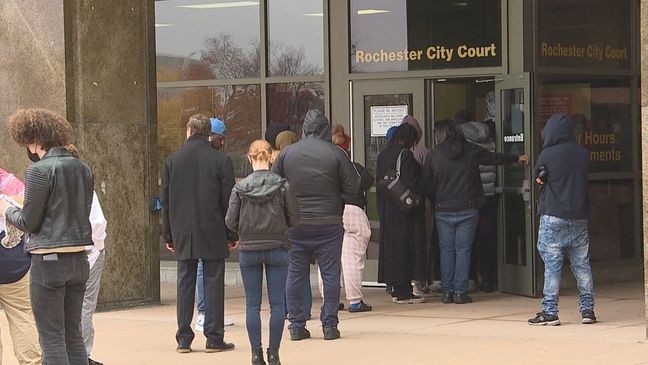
pixel 403 249
pixel 196 185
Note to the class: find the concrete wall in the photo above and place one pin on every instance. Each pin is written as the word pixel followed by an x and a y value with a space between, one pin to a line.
pixel 94 61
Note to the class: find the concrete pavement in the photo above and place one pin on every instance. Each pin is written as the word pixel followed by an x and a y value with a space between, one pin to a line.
pixel 492 330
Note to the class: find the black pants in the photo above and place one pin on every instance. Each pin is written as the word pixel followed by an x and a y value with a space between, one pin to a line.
pixel 401 291
pixel 57 288
pixel 486 241
pixel 214 280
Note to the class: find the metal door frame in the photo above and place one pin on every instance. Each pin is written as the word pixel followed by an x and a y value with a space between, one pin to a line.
pixel 517 279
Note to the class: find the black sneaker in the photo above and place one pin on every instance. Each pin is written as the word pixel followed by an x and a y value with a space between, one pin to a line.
pixel 331 333
pixel 412 299
pixel 447 298
pixel 92 362
pixel 544 319
pixel 341 307
pixel 588 317
pixel 183 348
pixel 299 333
pixel 462 299
pixel 359 307
pixel 218 347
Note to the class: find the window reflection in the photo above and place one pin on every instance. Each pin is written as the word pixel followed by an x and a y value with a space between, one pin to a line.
pixel 289 102
pixel 206 39
pixel 239 106
pixel 295 37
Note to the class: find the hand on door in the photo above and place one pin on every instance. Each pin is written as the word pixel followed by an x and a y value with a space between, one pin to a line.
pixel 523 160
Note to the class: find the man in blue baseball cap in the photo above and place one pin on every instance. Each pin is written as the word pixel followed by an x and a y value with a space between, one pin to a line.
pixel 217 137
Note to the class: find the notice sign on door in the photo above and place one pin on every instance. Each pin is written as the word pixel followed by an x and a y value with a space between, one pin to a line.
pixel 385 117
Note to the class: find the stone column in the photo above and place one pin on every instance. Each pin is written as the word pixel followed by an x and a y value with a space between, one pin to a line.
pixel 644 141
pixel 112 101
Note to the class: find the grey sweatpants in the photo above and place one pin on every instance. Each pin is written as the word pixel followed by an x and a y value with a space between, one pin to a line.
pixel 90 302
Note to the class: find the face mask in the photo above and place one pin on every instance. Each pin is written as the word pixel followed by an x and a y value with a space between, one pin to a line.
pixel 33 157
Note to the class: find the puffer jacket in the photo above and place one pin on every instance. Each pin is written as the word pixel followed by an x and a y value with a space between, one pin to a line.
pixel 261 209
pixel 58 197
pixel 479 134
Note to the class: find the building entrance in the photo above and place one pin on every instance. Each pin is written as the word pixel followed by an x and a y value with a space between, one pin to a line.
pixel 503 251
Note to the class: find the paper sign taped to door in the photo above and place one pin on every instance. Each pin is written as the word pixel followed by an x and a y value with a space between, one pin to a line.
pixel 385 117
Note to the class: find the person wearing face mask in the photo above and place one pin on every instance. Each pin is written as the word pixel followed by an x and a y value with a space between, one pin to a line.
pixel 55 218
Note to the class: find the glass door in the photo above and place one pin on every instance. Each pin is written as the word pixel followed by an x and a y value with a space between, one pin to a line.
pixel 516 231
pixel 376 106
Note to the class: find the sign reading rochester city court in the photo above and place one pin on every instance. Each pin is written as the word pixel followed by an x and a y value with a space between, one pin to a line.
pixel 591 51
pixel 431 53
pixel 385 117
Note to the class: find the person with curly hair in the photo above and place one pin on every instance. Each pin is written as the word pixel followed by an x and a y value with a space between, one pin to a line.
pixel 55 217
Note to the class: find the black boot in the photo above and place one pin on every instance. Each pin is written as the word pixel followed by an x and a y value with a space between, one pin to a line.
pixel 273 357
pixel 257 356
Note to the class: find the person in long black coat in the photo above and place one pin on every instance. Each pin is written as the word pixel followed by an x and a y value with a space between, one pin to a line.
pixel 196 185
pixel 401 243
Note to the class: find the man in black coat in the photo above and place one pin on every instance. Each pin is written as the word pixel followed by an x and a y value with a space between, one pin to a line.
pixel 196 185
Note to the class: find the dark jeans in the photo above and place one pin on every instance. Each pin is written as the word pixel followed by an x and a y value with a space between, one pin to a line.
pixel 58 283
pixel 214 281
pixel 325 243
pixel 276 268
pixel 456 236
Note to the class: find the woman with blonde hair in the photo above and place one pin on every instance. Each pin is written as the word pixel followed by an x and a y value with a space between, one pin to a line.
pixel 261 209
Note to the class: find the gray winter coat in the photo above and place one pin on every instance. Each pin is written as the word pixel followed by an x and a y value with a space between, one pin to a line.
pixel 261 209
pixel 479 134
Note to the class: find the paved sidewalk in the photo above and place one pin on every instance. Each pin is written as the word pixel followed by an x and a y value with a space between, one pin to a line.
pixel 492 330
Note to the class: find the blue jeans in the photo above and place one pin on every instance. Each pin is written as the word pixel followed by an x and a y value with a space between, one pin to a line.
pixel 276 268
pixel 325 243
pixel 200 285
pixel 456 235
pixel 559 237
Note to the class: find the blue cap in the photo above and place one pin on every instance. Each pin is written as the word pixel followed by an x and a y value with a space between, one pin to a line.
pixel 390 133
pixel 217 126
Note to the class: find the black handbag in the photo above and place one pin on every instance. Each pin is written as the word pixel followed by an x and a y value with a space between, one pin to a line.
pixel 390 185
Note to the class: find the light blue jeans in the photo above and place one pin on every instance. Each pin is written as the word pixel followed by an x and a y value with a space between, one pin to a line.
pixel 200 285
pixel 456 235
pixel 558 238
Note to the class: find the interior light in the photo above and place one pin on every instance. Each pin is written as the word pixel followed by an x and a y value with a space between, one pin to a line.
pixel 460 4
pixel 372 11
pixel 233 4
pixel 160 25
pixel 313 14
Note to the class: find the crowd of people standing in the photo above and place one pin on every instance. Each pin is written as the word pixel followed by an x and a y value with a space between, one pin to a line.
pixel 303 201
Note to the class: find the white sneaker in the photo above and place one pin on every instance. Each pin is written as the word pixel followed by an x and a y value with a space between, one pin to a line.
pixel 200 322
pixel 413 299
pixel 228 322
pixel 423 292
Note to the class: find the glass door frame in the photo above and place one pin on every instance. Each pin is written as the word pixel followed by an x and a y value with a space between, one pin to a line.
pixel 518 279
pixel 359 90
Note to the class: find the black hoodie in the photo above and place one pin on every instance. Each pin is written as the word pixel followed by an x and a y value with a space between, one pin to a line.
pixel 319 172
pixel 564 195
pixel 452 177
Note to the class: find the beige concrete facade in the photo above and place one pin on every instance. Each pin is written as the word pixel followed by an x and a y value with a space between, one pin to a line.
pixel 644 140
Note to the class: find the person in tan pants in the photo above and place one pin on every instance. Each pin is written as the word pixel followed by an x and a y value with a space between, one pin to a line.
pixel 15 300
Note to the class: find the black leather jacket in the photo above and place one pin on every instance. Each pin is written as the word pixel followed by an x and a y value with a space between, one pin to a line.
pixel 58 197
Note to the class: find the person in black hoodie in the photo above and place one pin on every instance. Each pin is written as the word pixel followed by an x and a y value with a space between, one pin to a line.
pixel 561 171
pixel 453 184
pixel 320 173
pixel 261 209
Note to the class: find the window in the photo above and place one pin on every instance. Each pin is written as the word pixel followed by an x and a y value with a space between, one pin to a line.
pixel 289 102
pixel 207 39
pixel 295 37
pixel 402 35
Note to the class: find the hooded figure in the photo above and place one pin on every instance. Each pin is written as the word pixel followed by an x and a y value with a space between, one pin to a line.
pixel 419 151
pixel 567 165
pixel 320 174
